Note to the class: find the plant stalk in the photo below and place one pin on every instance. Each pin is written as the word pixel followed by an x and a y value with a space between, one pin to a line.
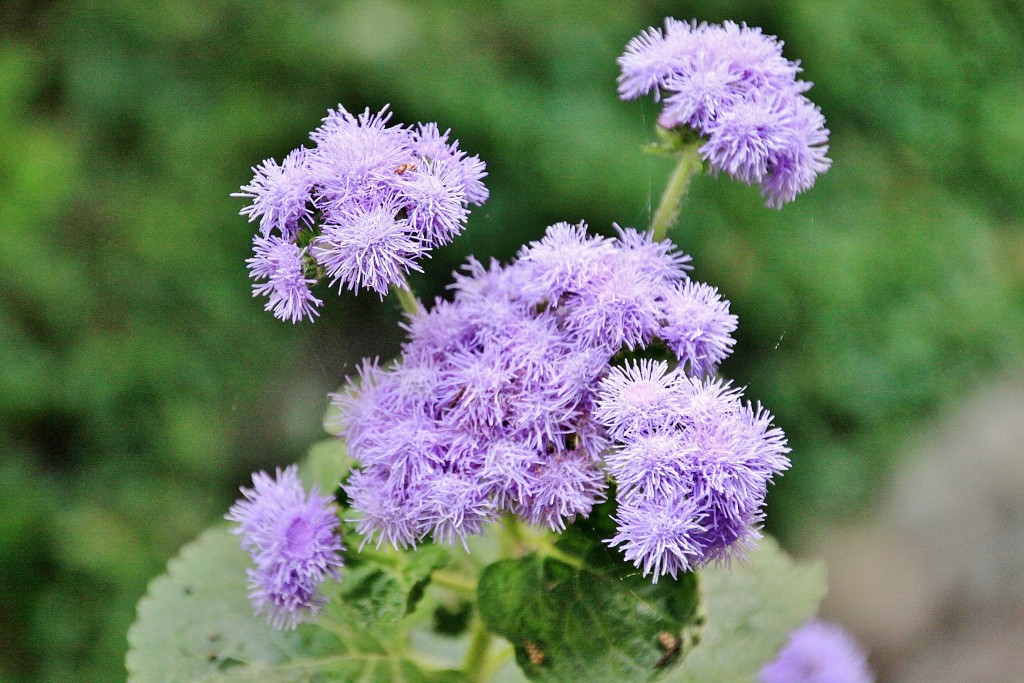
pixel 406 298
pixel 476 665
pixel 668 210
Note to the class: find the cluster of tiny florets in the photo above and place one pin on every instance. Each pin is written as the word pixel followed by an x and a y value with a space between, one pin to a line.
pixel 692 463
pixel 292 538
pixel 508 399
pixel 818 652
pixel 732 86
pixel 360 208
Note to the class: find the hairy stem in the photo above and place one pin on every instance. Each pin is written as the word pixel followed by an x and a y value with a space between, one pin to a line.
pixel 668 210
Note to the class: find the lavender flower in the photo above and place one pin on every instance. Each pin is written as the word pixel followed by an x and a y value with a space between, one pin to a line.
pixel 505 401
pixel 731 85
pixel 638 397
pixel 818 652
pixel 280 194
pixel 452 506
pixel 651 57
pixel 293 542
pixel 564 261
pixel 696 443
pixel 367 248
pixel 653 464
pixel 698 326
pixel 568 485
pixel 282 265
pixel 657 534
pixel 370 198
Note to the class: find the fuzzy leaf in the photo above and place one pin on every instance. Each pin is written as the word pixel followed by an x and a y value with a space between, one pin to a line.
pixel 751 609
pixel 196 624
pixel 604 622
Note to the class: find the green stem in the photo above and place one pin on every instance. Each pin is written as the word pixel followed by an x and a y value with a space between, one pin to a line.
pixel 668 210
pixel 556 554
pixel 406 298
pixel 453 581
pixel 390 559
pixel 476 665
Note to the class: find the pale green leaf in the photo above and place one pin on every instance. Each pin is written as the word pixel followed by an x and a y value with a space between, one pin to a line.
pixel 196 624
pixel 751 609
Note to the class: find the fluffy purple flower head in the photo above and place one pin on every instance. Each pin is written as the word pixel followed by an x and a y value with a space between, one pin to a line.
pixel 369 249
pixel 452 506
pixel 687 440
pixel 657 534
pixel 568 485
pixel 510 470
pixel 698 327
pixel 564 261
pixel 794 167
pixel 431 144
pixel 292 538
pixel 280 195
pixel 437 203
pixel 619 308
pixel 652 464
pixel 637 397
pixel 388 514
pixel 279 270
pixel 745 138
pixel 657 262
pixel 651 57
pixel 732 86
pixel 818 652
pixel 618 302
pixel 370 198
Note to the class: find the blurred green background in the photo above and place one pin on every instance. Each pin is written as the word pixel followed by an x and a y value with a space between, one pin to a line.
pixel 140 383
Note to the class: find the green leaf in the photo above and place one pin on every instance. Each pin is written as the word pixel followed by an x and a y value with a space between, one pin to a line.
pixel 601 622
pixel 196 624
pixel 751 609
pixel 327 463
pixel 389 585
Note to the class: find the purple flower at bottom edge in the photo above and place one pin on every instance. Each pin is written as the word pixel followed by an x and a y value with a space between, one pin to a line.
pixel 292 539
pixel 818 652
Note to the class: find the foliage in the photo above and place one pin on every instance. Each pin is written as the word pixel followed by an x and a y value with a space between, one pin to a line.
pixel 577 612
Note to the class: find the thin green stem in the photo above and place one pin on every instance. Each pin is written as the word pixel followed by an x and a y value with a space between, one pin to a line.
pixel 382 557
pixel 556 554
pixel 476 664
pixel 668 210
pixel 453 581
pixel 406 297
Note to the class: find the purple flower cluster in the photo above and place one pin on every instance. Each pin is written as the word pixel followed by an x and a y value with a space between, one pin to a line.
pixel 293 542
pixel 818 652
pixel 732 86
pixel 361 208
pixel 497 404
pixel 692 463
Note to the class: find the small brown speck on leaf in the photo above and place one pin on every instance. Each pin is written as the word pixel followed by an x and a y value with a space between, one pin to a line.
pixel 534 652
